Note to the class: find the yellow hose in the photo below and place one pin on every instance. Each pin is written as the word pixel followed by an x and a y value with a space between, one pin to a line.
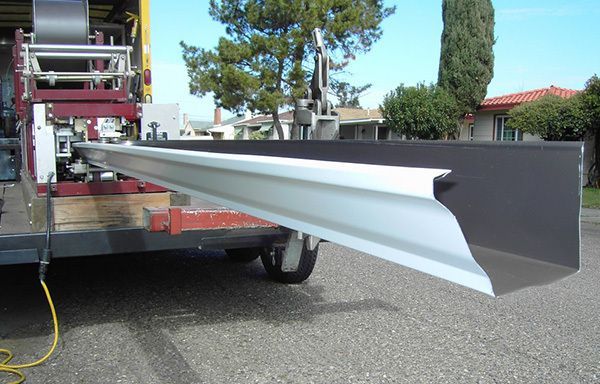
pixel 16 369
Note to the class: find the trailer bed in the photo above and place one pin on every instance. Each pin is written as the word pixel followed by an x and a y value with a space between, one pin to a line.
pixel 14 219
pixel 19 244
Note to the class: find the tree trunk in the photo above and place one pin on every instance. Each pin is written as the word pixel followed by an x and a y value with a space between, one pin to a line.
pixel 295 132
pixel 276 121
pixel 594 172
pixel 277 125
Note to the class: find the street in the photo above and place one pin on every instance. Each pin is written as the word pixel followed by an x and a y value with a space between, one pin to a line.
pixel 196 317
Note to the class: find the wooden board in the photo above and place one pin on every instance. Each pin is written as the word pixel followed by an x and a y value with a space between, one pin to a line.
pixel 105 211
pixel 93 212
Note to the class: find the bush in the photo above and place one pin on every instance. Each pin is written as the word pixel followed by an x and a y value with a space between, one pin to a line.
pixel 421 112
pixel 259 135
pixel 552 118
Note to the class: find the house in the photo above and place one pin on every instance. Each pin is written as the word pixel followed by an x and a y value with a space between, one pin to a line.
pixel 489 121
pixel 195 129
pixel 363 124
pixel 225 130
pixel 211 130
pixel 355 124
pixel 261 127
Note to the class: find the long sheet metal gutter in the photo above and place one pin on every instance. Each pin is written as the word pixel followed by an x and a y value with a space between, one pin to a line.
pixel 384 209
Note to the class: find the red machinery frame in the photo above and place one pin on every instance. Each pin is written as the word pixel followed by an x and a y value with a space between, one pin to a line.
pixel 88 103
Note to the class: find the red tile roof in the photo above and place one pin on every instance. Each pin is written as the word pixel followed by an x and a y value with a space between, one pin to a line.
pixel 514 99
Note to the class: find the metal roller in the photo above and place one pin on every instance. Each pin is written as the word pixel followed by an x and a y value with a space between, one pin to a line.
pixel 61 22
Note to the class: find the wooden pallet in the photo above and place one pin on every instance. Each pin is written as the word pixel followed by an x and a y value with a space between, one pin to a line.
pixel 94 212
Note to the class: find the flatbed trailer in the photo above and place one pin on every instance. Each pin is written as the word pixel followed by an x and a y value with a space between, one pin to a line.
pixel 20 245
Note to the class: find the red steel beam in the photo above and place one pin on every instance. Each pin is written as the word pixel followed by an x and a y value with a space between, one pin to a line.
pixel 41 95
pixel 174 220
pixel 128 111
pixel 69 188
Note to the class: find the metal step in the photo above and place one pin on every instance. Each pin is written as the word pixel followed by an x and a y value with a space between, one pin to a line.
pixel 494 217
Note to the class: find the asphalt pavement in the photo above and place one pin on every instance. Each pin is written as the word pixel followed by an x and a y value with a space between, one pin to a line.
pixel 195 317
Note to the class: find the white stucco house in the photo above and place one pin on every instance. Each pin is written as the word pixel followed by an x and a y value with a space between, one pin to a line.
pixel 363 124
pixel 195 129
pixel 217 129
pixel 488 123
pixel 261 127
pixel 355 124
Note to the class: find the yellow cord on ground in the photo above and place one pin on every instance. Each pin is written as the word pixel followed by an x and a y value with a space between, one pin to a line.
pixel 16 369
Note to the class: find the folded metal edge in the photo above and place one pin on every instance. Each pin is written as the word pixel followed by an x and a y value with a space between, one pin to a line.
pixel 387 211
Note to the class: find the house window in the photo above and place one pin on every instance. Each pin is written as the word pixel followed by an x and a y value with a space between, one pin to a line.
pixel 471 130
pixel 504 133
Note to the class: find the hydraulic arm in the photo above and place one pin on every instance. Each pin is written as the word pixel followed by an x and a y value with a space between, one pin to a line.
pixel 314 115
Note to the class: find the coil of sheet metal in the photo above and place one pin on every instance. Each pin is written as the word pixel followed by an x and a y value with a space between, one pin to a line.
pixel 60 21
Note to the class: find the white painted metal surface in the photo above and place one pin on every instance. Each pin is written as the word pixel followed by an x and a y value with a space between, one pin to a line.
pixel 44 143
pixel 389 212
pixel 167 115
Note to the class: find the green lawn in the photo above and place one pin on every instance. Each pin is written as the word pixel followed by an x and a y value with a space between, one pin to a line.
pixel 591 197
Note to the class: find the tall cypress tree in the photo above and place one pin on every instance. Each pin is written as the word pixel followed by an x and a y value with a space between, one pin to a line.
pixel 467 57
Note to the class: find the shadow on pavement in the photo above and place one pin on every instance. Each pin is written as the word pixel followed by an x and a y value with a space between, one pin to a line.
pixel 153 293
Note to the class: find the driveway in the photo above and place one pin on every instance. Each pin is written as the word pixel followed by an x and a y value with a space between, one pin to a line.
pixel 194 317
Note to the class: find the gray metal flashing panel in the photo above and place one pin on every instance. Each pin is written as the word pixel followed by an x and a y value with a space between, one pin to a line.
pixel 519 197
pixel 517 202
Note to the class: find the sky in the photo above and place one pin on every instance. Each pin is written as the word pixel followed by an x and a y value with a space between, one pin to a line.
pixel 538 43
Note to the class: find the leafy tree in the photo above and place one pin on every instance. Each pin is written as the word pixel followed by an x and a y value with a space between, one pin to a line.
pixel 421 112
pixel 591 103
pixel 591 100
pixel 259 135
pixel 348 95
pixel 552 118
pixel 467 58
pixel 259 66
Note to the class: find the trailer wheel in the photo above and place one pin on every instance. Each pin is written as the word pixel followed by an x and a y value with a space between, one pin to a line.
pixel 243 255
pixel 272 259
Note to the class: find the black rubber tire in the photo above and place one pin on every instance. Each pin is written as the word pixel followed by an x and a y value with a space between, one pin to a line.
pixel 243 255
pixel 273 257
